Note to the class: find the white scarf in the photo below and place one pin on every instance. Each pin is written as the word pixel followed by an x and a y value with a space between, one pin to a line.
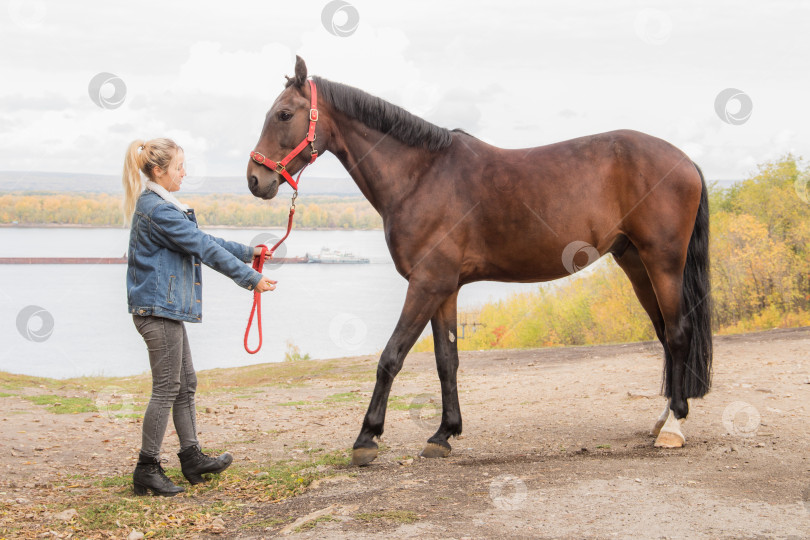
pixel 164 193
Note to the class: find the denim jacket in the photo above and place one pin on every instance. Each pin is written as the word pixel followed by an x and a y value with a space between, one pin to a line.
pixel 166 248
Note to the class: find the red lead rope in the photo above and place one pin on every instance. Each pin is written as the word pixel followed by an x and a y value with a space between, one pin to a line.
pixel 258 265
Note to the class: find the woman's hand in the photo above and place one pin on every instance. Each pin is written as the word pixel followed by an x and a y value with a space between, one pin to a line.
pixel 257 251
pixel 266 284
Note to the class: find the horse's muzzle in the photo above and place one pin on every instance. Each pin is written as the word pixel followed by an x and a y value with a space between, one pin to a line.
pixel 264 189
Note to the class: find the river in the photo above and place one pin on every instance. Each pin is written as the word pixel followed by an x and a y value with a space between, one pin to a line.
pixel 71 320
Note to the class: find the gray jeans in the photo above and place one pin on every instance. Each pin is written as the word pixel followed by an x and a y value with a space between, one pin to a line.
pixel 174 383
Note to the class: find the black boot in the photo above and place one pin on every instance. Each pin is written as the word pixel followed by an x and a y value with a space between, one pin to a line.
pixel 194 464
pixel 149 475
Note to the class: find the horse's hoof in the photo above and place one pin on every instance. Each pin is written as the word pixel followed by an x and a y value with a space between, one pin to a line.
pixel 668 439
pixel 363 456
pixel 670 435
pixel 433 450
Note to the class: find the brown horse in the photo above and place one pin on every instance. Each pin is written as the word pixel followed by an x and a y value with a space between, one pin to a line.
pixel 457 210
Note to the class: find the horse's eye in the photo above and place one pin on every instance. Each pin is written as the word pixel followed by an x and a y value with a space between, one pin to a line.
pixel 284 116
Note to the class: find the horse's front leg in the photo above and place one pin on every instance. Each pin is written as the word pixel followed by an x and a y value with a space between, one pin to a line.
pixel 446 347
pixel 423 299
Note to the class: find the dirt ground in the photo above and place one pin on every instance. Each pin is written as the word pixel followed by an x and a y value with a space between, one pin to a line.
pixel 555 445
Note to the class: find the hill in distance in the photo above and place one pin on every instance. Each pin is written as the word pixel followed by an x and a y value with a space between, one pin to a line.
pixel 96 183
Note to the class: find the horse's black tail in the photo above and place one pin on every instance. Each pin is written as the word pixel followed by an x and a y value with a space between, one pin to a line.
pixel 697 304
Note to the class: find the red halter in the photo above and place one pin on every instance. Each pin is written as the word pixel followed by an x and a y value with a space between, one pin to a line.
pixel 281 166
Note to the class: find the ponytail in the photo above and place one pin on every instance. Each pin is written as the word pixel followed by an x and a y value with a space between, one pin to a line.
pixel 143 157
pixel 132 178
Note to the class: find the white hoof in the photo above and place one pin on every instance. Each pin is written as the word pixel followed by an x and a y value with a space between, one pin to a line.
pixel 670 435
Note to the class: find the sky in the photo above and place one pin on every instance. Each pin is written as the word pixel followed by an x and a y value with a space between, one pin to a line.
pixel 724 81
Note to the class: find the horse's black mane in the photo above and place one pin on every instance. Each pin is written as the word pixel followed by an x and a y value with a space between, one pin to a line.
pixel 382 116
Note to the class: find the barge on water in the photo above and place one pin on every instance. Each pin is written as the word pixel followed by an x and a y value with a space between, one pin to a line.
pixel 111 260
pixel 63 260
pixel 328 256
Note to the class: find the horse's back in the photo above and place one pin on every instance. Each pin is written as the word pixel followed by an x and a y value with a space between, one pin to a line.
pixel 533 202
pixel 608 173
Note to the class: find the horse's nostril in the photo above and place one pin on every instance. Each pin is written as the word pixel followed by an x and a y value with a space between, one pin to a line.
pixel 253 182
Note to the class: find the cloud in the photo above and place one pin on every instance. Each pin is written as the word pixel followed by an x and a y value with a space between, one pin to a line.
pixel 457 108
pixel 532 74
pixel 48 101
pixel 214 72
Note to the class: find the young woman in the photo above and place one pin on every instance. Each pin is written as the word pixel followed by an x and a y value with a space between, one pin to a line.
pixel 164 290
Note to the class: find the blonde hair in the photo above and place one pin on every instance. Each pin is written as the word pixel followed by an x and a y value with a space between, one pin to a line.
pixel 143 157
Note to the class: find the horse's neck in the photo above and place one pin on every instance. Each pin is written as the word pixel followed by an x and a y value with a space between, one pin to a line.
pixel 381 166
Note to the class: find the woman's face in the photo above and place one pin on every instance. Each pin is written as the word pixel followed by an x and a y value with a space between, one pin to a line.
pixel 173 178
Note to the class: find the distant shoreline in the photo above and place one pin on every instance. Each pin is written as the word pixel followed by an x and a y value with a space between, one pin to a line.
pixel 249 228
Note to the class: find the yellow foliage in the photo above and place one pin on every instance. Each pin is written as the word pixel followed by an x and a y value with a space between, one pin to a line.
pixel 103 209
pixel 760 268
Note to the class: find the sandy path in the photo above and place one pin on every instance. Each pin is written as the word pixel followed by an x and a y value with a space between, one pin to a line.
pixel 555 445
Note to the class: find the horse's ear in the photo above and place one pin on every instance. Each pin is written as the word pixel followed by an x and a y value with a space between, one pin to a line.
pixel 300 71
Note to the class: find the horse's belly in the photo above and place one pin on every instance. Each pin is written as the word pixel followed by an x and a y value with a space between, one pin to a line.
pixel 518 270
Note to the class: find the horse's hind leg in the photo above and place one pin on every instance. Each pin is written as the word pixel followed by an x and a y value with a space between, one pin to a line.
pixel 422 301
pixel 666 276
pixel 633 267
pixel 446 347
